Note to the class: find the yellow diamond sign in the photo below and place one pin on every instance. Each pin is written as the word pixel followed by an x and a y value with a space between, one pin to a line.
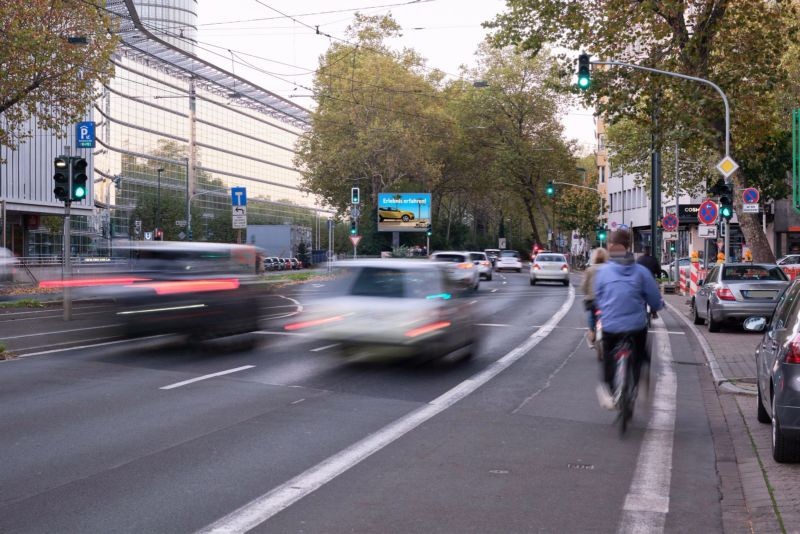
pixel 727 166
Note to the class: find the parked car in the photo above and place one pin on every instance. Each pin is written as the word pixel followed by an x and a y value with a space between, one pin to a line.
pixel 483 264
pixel 549 267
pixel 395 308
pixel 778 373
pixel 460 268
pixel 508 261
pixel 296 263
pixel 8 264
pixel 492 254
pixel 394 214
pixel 791 259
pixel 737 291
pixel 668 269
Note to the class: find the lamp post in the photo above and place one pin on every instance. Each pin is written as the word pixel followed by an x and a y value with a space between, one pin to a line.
pixel 158 199
pixel 189 212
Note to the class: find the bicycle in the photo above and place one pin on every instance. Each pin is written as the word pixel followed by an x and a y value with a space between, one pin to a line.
pixel 624 383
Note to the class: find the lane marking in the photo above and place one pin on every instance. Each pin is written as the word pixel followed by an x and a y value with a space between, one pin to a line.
pixel 550 378
pixel 267 505
pixel 647 503
pixel 494 290
pixel 268 333
pixel 491 324
pixel 206 377
pixel 325 347
pixel 79 347
pixel 40 334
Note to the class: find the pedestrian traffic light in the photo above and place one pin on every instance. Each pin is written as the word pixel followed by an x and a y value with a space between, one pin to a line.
pixel 355 195
pixel 429 231
pixel 550 189
pixel 61 178
pixel 584 72
pixel 79 179
pixel 353 228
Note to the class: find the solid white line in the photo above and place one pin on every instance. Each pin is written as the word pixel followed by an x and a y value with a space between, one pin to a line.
pixel 40 334
pixel 325 347
pixel 491 324
pixel 262 508
pixel 268 333
pixel 647 503
pixel 494 291
pixel 79 347
pixel 205 377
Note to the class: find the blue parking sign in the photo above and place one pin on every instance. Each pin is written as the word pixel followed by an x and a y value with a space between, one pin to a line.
pixel 84 134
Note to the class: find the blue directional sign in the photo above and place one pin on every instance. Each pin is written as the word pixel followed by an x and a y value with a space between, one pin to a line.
pixel 707 214
pixel 750 195
pixel 84 134
pixel 238 196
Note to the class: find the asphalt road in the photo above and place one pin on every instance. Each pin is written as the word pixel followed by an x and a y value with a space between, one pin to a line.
pixel 292 439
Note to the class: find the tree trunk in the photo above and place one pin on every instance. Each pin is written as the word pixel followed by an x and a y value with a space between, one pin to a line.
pixel 532 219
pixel 750 225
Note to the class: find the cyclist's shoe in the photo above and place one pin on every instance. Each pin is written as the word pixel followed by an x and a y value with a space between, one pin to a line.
pixel 590 339
pixel 604 397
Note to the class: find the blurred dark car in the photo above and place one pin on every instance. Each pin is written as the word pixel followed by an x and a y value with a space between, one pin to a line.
pixel 389 308
pixel 200 290
pixel 778 370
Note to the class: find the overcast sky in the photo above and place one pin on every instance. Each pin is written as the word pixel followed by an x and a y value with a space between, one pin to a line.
pixel 285 52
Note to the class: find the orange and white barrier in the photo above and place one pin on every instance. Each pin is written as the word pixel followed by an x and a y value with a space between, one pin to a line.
pixel 791 271
pixel 684 280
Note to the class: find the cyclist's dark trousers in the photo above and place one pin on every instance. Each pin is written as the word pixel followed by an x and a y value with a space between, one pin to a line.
pixel 610 340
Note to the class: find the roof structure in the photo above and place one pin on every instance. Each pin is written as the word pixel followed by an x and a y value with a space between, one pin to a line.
pixel 140 44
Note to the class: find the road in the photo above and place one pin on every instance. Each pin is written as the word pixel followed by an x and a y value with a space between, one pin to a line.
pixel 139 436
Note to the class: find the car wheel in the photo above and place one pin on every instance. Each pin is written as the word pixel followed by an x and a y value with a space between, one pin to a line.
pixel 519 270
pixel 784 449
pixel 533 281
pixel 713 326
pixel 566 283
pixel 381 219
pixel 663 274
pixel 489 278
pixel 763 416
pixel 696 319
pixel 406 218
pixel 477 285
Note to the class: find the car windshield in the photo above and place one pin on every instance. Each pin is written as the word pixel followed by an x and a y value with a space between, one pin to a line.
pixel 509 254
pixel 551 257
pixel 752 272
pixel 452 258
pixel 477 256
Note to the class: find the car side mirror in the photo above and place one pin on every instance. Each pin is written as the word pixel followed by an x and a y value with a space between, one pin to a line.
pixel 755 324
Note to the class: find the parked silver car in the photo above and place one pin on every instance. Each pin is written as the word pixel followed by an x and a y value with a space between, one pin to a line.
pixel 737 291
pixel 778 371
pixel 549 267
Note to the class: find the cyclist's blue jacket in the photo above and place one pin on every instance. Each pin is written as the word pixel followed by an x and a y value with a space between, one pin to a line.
pixel 621 289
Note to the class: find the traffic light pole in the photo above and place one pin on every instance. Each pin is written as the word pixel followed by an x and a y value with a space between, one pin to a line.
pixel 66 274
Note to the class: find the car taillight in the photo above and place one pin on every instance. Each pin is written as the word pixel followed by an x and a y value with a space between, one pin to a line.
pixel 430 327
pixel 564 267
pixel 485 263
pixel 793 353
pixel 464 266
pixel 724 293
pixel 313 322
pixel 537 267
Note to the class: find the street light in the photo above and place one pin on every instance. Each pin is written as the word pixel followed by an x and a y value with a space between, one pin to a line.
pixel 158 199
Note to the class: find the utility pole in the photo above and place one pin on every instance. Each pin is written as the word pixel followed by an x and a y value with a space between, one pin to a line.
pixel 66 272
pixel 655 191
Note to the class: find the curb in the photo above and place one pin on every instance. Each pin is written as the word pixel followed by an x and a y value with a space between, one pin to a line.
pixel 719 380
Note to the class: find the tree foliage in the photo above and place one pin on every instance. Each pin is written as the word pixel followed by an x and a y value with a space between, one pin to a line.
pixel 44 76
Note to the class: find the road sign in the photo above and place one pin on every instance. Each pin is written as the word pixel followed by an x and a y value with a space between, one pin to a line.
pixel 707 214
pixel 707 231
pixel 670 222
pixel 137 227
pixel 181 236
pixel 355 239
pixel 669 236
pixel 727 166
pixel 148 236
pixel 239 221
pixel 750 195
pixel 238 196
pixel 84 134
pixel 614 225
pixel 180 223
pixel 750 208
pixel 355 212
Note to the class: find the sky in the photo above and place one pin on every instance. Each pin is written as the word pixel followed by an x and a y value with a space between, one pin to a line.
pixel 285 52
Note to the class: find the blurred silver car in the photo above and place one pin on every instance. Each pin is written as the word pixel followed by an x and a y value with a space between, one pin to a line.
pixel 7 265
pixel 737 291
pixel 393 308
pixel 483 264
pixel 508 261
pixel 549 267
pixel 460 268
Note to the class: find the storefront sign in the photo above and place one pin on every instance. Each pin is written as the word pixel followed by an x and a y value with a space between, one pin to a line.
pixel 687 213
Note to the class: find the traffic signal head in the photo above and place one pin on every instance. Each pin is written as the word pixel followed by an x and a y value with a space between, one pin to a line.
pixel 61 178
pixel 584 72
pixel 353 228
pixel 672 246
pixel 725 208
pixel 601 234
pixel 429 231
pixel 550 189
pixel 355 195
pixel 79 178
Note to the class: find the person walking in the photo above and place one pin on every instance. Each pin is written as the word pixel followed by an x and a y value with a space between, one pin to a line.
pixel 598 258
pixel 649 262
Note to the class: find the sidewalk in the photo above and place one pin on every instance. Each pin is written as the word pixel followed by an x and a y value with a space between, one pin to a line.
pixel 733 349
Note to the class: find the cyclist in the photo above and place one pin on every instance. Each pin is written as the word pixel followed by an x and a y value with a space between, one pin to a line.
pixel 599 257
pixel 650 263
pixel 623 289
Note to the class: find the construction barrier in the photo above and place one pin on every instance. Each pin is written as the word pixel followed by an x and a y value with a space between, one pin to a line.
pixel 791 271
pixel 683 280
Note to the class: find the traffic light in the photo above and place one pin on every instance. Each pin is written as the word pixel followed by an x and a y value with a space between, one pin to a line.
pixel 353 227
pixel 61 178
pixel 429 231
pixel 584 72
pixel 79 179
pixel 672 246
pixel 601 234
pixel 355 195
pixel 159 234
pixel 550 189
pixel 725 202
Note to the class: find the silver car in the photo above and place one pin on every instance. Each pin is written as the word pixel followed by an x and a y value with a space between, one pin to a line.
pixel 483 264
pixel 7 265
pixel 735 291
pixel 508 261
pixel 460 268
pixel 778 371
pixel 549 267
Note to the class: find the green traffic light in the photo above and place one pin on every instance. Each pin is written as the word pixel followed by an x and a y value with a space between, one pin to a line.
pixel 583 82
pixel 80 193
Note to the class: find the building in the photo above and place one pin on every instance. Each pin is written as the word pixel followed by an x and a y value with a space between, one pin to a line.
pixel 174 133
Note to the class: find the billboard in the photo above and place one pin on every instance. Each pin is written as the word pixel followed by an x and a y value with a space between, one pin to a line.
pixel 404 212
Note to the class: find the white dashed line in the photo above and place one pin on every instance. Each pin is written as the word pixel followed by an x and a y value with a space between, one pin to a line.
pixel 325 347
pixel 205 377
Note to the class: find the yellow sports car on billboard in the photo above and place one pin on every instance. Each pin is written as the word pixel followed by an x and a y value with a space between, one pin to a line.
pixel 394 213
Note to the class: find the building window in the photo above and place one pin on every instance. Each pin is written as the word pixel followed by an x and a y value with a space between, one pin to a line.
pixel 602 172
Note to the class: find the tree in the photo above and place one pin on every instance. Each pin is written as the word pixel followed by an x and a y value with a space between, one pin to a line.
pixel 738 44
pixel 44 75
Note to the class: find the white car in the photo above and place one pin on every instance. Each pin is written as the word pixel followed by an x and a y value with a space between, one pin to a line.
pixel 508 261
pixel 483 265
pixel 7 265
pixel 549 267
pixel 460 268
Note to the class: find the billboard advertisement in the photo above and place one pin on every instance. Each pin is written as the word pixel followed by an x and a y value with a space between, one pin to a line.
pixel 404 212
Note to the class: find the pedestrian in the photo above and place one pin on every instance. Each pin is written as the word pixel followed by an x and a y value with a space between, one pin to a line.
pixel 599 257
pixel 649 262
